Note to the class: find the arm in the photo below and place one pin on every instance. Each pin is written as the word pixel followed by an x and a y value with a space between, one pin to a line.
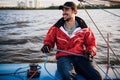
pixel 49 41
pixel 90 42
pixel 50 37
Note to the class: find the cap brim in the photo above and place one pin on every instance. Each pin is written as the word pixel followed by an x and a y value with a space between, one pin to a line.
pixel 62 6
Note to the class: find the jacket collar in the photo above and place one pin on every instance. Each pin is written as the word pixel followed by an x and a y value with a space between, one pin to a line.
pixel 80 21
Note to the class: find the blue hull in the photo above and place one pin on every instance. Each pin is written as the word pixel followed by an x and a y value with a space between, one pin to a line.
pixel 7 72
pixel 11 68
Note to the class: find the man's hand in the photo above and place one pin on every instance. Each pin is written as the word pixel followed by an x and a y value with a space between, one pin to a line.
pixel 46 48
pixel 90 56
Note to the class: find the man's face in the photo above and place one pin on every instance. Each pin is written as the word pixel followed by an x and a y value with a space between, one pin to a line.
pixel 68 13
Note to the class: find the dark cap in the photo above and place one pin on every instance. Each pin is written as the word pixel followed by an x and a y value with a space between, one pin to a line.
pixel 69 5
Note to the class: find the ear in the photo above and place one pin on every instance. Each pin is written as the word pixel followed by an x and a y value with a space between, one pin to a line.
pixel 75 11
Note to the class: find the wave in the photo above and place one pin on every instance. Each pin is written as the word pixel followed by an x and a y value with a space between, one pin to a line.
pixel 13 41
pixel 17 22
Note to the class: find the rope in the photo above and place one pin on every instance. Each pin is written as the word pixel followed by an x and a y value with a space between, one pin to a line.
pixel 84 56
pixel 16 72
pixel 67 52
pixel 102 9
pixel 108 67
pixel 100 32
pixel 46 68
pixel 106 75
pixel 20 69
pixel 114 72
pixel 5 74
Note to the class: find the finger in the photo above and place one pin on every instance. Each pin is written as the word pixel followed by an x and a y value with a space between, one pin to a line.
pixel 48 49
pixel 42 50
pixel 45 49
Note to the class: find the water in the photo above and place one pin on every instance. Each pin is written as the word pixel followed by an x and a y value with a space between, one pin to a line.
pixel 22 33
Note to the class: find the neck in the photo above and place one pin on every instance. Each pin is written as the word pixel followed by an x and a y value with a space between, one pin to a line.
pixel 70 23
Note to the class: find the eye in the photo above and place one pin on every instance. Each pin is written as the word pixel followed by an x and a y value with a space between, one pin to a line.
pixel 65 9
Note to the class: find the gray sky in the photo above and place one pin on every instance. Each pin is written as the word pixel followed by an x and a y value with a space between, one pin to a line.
pixel 42 3
pixel 45 3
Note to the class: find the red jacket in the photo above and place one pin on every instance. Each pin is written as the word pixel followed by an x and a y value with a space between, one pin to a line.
pixel 81 41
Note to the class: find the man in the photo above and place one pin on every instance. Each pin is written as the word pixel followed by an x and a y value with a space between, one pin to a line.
pixel 71 34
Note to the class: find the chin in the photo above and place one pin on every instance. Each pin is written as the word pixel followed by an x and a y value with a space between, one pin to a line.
pixel 67 19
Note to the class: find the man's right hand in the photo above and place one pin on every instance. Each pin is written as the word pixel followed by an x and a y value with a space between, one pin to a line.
pixel 89 56
pixel 46 48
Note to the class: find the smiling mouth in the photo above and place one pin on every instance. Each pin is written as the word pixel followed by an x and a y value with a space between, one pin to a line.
pixel 65 15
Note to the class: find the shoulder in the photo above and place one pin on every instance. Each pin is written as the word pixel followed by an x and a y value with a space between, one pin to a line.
pixel 81 22
pixel 59 23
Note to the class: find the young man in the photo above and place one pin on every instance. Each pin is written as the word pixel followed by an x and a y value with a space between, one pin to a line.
pixel 71 34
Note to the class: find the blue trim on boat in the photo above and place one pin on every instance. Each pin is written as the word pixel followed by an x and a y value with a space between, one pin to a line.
pixel 11 68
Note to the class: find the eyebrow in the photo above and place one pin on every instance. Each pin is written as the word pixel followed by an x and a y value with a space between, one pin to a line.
pixel 66 8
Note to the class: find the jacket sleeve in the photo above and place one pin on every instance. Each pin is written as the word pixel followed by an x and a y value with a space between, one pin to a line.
pixel 50 37
pixel 90 42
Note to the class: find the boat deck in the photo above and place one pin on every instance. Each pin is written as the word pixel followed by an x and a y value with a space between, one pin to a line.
pixel 51 67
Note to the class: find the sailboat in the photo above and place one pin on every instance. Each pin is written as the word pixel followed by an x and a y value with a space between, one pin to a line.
pixel 48 71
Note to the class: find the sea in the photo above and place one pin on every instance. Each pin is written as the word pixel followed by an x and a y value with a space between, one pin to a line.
pixel 22 33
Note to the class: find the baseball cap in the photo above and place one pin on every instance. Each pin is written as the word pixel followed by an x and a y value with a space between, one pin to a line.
pixel 71 5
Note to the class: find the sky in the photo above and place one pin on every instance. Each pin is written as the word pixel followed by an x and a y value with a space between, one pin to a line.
pixel 42 3
pixel 46 3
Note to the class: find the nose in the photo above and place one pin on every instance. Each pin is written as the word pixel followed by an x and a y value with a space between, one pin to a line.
pixel 63 10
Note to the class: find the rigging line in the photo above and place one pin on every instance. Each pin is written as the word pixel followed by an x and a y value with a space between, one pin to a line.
pixel 117 71
pixel 106 75
pixel 67 52
pixel 108 67
pixel 4 74
pixel 99 31
pixel 114 73
pixel 108 55
pixel 83 56
pixel 20 69
pixel 99 7
pixel 54 78
pixel 20 77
